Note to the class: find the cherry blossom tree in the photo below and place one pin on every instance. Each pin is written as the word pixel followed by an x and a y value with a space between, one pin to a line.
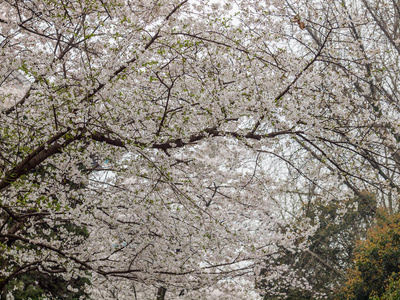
pixel 165 145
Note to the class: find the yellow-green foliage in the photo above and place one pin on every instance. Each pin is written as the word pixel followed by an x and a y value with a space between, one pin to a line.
pixel 376 271
pixel 392 289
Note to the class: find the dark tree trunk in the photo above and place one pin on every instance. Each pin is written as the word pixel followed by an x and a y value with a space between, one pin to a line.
pixel 4 290
pixel 161 293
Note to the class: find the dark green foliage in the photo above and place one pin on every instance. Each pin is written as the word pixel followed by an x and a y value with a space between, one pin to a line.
pixel 36 285
pixel 392 291
pixel 331 248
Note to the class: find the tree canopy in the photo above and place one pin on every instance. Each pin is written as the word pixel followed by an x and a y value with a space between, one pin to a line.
pixel 169 145
pixel 376 271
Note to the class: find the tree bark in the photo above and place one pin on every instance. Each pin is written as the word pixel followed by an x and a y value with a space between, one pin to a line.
pixel 160 293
